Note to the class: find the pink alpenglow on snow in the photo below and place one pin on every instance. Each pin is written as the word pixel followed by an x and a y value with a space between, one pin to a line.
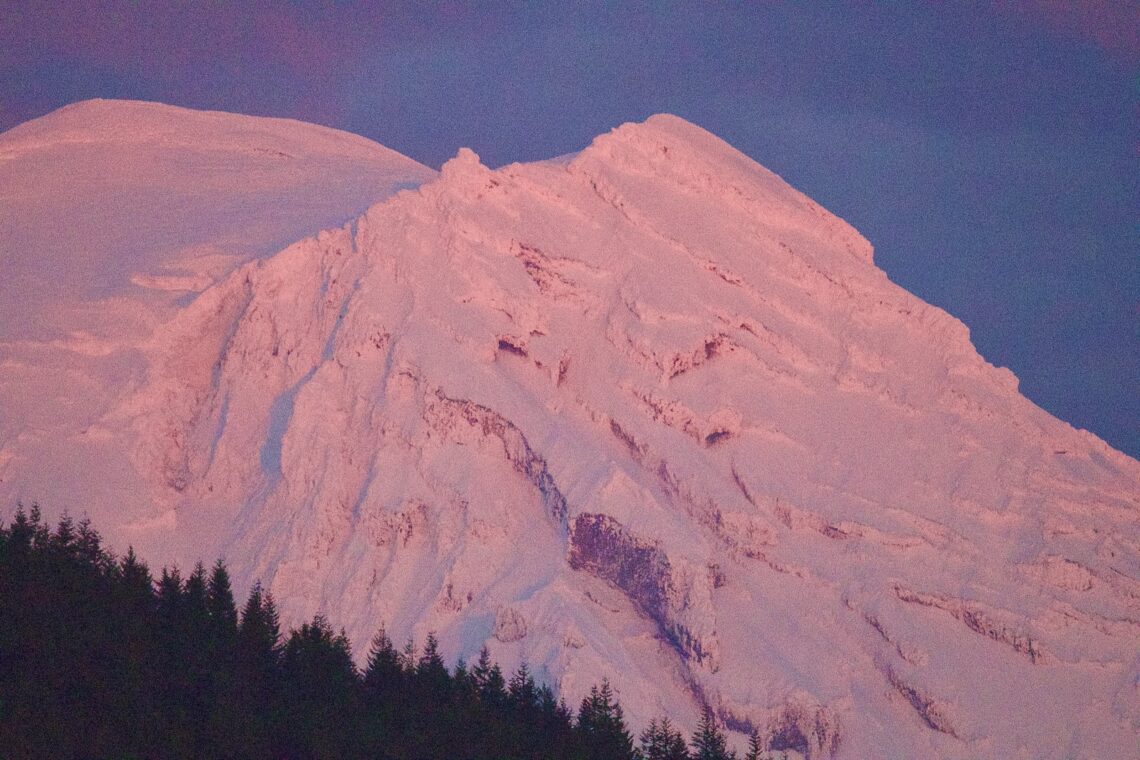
pixel 644 413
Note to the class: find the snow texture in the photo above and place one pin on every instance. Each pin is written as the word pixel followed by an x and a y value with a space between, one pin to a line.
pixel 645 413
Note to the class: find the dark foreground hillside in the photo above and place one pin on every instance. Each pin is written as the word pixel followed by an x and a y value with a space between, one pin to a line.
pixel 100 660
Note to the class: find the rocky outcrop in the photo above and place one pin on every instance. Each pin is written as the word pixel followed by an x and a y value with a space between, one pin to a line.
pixel 510 625
pixel 442 413
pixel 981 619
pixel 601 546
pixel 934 713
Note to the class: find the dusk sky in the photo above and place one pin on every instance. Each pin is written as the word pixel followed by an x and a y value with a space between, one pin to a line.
pixel 988 150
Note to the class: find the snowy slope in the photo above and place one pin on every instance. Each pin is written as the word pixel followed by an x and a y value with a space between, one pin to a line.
pixel 650 414
pixel 102 191
pixel 113 213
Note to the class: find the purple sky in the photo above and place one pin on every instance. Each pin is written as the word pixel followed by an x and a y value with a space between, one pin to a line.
pixel 988 150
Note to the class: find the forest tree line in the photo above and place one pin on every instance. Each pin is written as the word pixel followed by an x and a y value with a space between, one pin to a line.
pixel 98 659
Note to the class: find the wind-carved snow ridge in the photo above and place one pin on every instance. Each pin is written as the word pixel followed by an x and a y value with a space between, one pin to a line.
pixel 646 414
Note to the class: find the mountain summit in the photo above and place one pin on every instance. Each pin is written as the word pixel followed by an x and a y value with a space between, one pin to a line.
pixel 645 413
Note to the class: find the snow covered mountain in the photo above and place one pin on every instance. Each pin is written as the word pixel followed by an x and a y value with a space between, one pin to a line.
pixel 645 413
pixel 113 215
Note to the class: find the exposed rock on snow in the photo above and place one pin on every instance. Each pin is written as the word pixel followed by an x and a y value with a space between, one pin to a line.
pixel 510 625
pixel 647 414
pixel 601 546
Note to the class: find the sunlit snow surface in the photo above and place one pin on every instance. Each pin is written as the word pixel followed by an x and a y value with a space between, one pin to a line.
pixel 644 413
pixel 113 214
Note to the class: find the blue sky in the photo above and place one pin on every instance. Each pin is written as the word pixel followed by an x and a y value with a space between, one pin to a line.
pixel 989 151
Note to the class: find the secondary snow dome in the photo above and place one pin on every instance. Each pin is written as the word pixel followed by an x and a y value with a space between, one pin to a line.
pixel 101 193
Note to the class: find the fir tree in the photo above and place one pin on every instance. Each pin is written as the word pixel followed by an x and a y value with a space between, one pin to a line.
pixel 522 693
pixel 259 634
pixel 319 688
pixel 135 585
pixel 251 693
pixel 220 605
pixel 489 680
pixel 384 671
pixel 601 726
pixel 708 742
pixel 431 673
pixel 660 741
pixel 754 748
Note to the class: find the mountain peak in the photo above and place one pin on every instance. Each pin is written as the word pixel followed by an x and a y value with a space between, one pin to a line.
pixel 647 414
pixel 672 148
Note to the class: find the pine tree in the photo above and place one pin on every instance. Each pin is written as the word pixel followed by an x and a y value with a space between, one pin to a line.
pixel 521 691
pixel 601 726
pixel 319 687
pixel 489 679
pixel 651 741
pixel 431 673
pixel 754 748
pixel 252 693
pixel 660 741
pixel 708 742
pixel 259 634
pixel 384 670
pixel 220 605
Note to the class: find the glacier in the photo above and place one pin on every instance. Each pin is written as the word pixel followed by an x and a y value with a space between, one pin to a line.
pixel 644 413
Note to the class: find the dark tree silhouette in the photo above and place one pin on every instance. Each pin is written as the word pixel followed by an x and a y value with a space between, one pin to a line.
pixel 601 724
pixel 660 741
pixel 99 660
pixel 708 742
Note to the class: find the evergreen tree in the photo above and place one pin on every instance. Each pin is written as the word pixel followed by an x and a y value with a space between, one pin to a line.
pixel 408 657
pixel 660 741
pixel 259 634
pixel 554 722
pixel 220 605
pixel 754 748
pixel 226 725
pixel 522 693
pixel 431 673
pixel 708 742
pixel 250 695
pixel 194 597
pixel 384 671
pixel 89 551
pixel 385 684
pixel 601 726
pixel 132 619
pixel 319 692
pixel 650 738
pixel 489 680
pixel 169 594
pixel 135 586
pixel 462 680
